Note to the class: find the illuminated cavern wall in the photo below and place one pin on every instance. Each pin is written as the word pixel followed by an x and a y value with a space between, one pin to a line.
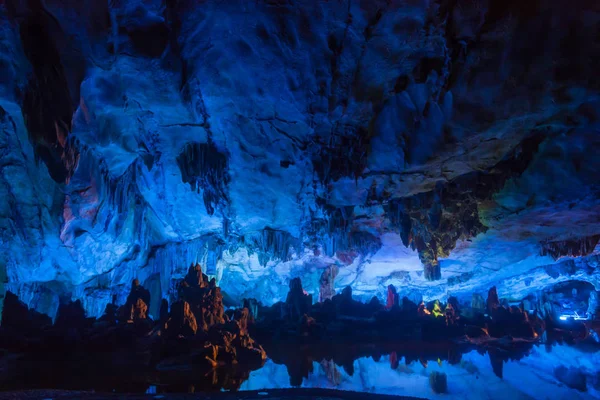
pixel 440 146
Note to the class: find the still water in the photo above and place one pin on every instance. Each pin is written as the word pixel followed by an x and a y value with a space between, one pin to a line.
pixel 535 376
pixel 555 371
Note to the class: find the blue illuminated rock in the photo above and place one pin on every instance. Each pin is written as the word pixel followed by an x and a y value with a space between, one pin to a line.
pixel 439 148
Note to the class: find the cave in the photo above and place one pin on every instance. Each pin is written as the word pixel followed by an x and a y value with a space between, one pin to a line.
pixel 284 199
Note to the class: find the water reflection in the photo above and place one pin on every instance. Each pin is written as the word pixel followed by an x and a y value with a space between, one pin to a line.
pixel 473 376
pixel 515 370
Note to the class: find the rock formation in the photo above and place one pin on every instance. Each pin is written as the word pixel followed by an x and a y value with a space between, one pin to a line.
pixel 571 248
pixel 392 297
pixel 492 302
pixel 388 143
pixel 297 302
pixel 326 282
pixel 18 317
pixel 593 305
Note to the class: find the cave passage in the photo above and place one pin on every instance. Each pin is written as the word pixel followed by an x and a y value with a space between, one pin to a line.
pixel 299 199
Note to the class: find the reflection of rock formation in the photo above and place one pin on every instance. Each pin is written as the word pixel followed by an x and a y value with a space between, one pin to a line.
pixel 195 335
pixel 497 363
pixel 331 371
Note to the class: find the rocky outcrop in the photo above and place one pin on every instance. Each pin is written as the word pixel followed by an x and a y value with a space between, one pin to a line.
pixel 16 316
pixel 298 302
pixel 181 321
pixel 492 302
pixel 194 334
pixel 204 298
pixel 343 318
pixel 136 306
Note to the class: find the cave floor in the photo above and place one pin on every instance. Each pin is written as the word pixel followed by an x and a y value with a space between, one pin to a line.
pixel 276 394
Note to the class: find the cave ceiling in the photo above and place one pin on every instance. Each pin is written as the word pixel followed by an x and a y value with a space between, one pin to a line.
pixel 440 146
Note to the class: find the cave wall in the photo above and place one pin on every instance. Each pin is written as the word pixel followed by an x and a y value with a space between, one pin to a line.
pixel 440 146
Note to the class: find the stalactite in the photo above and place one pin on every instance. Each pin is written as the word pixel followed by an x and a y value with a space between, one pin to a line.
pixel 432 222
pixel 205 168
pixel 274 244
pixel 337 236
pixel 570 248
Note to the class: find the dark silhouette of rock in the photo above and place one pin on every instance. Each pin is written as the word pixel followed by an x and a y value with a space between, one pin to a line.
pixel 394 362
pixel 492 300
pixel 164 311
pixel 110 314
pixel 497 363
pixel 16 316
pixel 374 305
pixel 70 315
pixel 297 302
pixel 408 306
